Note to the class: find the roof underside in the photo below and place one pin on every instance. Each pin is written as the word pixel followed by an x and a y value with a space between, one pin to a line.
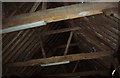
pixel 91 34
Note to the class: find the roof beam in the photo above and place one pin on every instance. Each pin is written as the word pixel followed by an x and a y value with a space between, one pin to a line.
pixel 60 31
pixel 55 14
pixel 71 57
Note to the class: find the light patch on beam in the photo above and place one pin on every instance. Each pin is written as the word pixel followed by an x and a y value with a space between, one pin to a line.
pixel 84 13
pixel 57 63
pixel 88 13
pixel 113 72
pixel 24 26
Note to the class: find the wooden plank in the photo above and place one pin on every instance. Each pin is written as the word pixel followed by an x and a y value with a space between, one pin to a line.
pixel 60 31
pixel 58 14
pixel 72 57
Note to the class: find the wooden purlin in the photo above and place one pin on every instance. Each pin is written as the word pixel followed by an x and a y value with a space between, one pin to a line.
pixel 71 57
pixel 60 31
pixel 58 14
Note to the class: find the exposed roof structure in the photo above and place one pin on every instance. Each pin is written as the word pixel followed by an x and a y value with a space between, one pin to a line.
pixel 71 40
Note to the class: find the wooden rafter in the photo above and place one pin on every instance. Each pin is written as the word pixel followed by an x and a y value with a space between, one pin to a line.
pixel 35 6
pixel 72 57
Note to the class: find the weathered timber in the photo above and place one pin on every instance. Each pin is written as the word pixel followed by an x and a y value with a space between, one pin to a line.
pixel 57 14
pixel 60 31
pixel 72 57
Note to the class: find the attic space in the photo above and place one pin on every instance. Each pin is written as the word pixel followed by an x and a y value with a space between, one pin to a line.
pixel 60 40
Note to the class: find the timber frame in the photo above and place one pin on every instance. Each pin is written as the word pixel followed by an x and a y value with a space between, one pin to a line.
pixel 55 15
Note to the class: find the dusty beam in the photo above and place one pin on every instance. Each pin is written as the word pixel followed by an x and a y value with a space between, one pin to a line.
pixel 72 57
pixel 56 14
pixel 60 31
